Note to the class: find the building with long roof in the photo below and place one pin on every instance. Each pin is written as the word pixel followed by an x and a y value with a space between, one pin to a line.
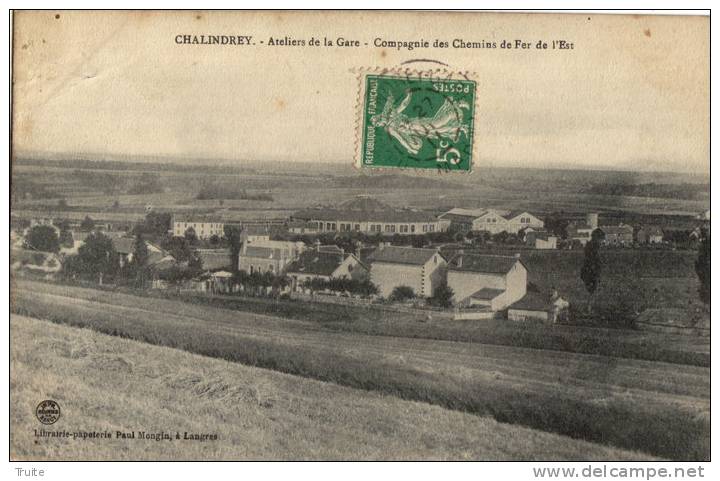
pixel 369 216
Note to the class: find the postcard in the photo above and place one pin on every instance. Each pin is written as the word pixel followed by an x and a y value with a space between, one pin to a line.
pixel 359 235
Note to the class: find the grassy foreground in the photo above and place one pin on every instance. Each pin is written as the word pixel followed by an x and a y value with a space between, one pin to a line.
pixel 623 343
pixel 661 409
pixel 104 383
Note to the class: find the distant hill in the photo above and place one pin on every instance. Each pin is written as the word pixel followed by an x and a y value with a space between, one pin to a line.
pixel 394 181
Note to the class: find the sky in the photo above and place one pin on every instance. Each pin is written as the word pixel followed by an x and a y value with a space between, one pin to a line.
pixel 633 93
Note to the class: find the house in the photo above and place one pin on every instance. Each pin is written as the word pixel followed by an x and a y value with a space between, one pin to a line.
pixel 254 233
pixel 367 215
pixel 535 306
pixel 318 264
pixel 616 234
pixel 215 259
pixel 125 248
pixel 268 256
pixel 540 239
pixel 423 270
pixel 489 281
pixel 461 219
pixel 203 225
pixel 581 231
pixel 521 219
pixel 649 235
pixel 493 221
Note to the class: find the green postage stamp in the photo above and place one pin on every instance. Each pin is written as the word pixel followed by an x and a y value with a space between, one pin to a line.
pixel 417 122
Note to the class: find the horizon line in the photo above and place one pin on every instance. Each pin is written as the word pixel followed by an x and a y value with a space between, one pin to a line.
pixel 237 162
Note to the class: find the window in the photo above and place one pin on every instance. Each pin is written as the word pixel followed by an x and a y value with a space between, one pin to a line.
pixel 432 228
pixel 389 227
pixel 357 227
pixel 403 228
pixel 412 228
pixel 328 226
pixel 425 228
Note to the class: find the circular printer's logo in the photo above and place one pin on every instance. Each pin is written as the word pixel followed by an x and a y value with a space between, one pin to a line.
pixel 48 411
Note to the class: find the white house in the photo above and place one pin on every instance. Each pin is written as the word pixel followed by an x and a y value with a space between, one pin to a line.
pixel 204 226
pixel 423 270
pixel 518 220
pixel 490 281
pixel 493 221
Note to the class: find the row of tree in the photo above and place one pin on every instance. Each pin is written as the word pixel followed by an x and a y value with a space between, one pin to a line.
pixel 361 287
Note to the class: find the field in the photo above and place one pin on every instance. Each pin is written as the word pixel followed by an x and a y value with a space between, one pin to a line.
pixel 93 187
pixel 658 408
pixel 106 383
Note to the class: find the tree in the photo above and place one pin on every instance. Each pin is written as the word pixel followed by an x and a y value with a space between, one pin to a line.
pixel 557 224
pixel 191 236
pixel 702 267
pixel 177 247
pixel 442 297
pixel 42 238
pixel 140 252
pixel 402 293
pixel 155 224
pixel 139 265
pixel 87 224
pixel 195 262
pixel 66 238
pixel 232 234
pixel 96 258
pixel 592 266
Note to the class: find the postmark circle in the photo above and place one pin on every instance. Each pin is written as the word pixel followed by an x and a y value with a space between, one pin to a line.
pixel 48 411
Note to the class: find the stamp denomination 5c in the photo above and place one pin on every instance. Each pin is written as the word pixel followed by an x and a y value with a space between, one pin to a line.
pixel 417 121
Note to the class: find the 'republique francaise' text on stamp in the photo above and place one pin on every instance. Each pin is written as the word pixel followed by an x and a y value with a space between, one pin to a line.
pixel 417 122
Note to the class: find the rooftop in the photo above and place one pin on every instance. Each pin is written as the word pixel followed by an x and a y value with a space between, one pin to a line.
pixel 254 229
pixel 652 230
pixel 402 255
pixel 490 264
pixel 215 259
pixel 123 245
pixel 262 252
pixel 616 229
pixel 316 263
pixel 533 301
pixel 200 218
pixel 364 209
pixel 486 294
